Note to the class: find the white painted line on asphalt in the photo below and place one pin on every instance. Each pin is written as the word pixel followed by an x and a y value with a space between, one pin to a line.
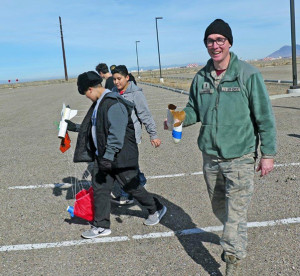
pixel 199 230
pixel 154 235
pixel 166 176
pixel 196 173
pixel 55 185
pixel 273 222
pixel 215 229
pixel 19 247
pixel 68 185
pixel 287 165
pixel 58 185
pixel 60 244
pixel 178 233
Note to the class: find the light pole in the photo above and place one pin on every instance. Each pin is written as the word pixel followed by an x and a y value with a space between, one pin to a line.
pixel 160 76
pixel 137 58
pixel 294 87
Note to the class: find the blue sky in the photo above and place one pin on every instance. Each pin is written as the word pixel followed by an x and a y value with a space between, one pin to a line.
pixel 105 31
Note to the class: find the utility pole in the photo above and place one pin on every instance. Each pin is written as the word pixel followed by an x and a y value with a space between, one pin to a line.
pixel 160 76
pixel 294 88
pixel 63 49
pixel 137 58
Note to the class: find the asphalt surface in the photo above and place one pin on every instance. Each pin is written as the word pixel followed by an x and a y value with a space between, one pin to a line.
pixel 38 237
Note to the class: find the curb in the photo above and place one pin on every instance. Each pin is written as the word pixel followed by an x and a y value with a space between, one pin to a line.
pixel 166 87
pixel 273 97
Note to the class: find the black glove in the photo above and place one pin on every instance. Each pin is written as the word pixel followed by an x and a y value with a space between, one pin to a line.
pixel 71 126
pixel 105 165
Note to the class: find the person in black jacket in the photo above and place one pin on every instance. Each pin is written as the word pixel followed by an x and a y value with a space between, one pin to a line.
pixel 102 70
pixel 107 137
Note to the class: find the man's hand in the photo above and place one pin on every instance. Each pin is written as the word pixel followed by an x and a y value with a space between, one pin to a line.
pixel 155 142
pixel 105 165
pixel 174 118
pixel 71 126
pixel 179 117
pixel 265 166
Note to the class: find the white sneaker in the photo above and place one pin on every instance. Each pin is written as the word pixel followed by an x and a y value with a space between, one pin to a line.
pixel 122 200
pixel 156 217
pixel 95 232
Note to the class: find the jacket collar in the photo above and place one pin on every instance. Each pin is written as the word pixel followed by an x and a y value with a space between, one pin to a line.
pixel 130 88
pixel 232 71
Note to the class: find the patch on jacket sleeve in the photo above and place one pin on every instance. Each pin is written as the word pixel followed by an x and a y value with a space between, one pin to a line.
pixel 231 89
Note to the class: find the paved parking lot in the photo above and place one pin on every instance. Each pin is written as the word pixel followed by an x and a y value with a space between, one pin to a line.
pixel 38 182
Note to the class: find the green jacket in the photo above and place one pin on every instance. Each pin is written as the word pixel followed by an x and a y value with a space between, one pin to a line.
pixel 236 115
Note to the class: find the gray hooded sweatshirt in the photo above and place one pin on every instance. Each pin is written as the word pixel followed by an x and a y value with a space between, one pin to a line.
pixel 141 113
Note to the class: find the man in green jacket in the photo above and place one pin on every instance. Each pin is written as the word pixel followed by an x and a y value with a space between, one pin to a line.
pixel 229 98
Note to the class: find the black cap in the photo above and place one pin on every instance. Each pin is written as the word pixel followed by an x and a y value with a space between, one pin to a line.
pixel 219 27
pixel 86 80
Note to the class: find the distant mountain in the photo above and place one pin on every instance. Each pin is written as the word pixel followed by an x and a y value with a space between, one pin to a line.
pixel 285 51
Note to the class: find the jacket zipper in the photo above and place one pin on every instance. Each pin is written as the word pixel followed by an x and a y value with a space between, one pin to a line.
pixel 216 107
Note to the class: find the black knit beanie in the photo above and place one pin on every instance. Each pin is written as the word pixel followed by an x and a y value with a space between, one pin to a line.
pixel 219 27
pixel 86 80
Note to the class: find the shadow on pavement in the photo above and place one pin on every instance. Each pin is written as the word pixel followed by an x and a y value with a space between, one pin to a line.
pixel 76 220
pixel 294 135
pixel 77 185
pixel 176 219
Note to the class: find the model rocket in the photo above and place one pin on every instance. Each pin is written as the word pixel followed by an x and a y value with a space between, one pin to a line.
pixel 66 114
pixel 174 122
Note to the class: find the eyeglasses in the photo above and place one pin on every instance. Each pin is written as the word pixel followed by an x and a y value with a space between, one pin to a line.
pixel 220 41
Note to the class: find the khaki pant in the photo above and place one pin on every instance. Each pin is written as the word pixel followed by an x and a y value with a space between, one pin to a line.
pixel 230 188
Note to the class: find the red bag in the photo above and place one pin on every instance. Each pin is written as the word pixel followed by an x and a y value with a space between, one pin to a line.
pixel 84 205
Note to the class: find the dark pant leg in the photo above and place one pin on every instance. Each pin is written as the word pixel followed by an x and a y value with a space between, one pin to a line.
pixel 119 190
pixel 102 185
pixel 142 178
pixel 129 179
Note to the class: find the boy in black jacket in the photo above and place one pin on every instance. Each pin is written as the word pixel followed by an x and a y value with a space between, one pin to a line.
pixel 107 137
pixel 102 70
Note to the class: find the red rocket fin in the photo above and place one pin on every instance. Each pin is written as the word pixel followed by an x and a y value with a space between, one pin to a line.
pixel 65 143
